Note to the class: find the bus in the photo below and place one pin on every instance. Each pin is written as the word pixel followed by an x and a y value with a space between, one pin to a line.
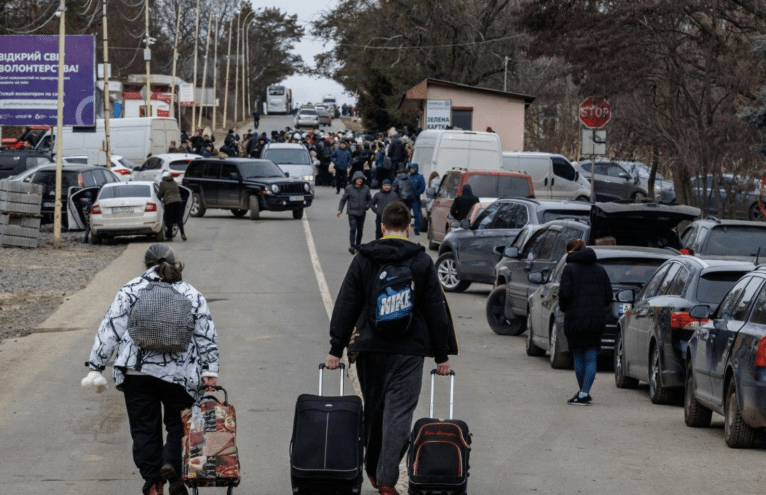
pixel 279 99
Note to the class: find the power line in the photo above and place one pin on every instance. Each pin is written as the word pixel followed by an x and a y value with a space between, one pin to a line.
pixel 418 47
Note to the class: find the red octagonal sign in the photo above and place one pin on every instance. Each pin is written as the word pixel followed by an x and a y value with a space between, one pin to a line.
pixel 595 113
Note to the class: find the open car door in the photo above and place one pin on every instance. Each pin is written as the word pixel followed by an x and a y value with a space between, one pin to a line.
pixel 78 206
pixel 186 197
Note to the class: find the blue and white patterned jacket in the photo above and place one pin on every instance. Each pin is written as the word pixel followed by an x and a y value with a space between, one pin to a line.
pixel 185 369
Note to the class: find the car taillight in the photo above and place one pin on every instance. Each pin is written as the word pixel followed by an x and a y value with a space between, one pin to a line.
pixel 760 354
pixel 150 207
pixel 121 171
pixel 680 320
pixel 176 174
pixel 95 210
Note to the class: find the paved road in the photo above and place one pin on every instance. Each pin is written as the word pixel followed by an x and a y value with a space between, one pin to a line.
pixel 260 279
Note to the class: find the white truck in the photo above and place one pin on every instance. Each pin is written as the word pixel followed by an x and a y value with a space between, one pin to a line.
pixel 131 138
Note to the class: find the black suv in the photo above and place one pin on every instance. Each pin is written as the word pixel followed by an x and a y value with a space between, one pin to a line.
pixel 629 224
pixel 14 162
pixel 242 184
pixel 725 238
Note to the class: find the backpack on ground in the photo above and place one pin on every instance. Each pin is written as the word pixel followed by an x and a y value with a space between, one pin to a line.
pixel 161 320
pixel 394 298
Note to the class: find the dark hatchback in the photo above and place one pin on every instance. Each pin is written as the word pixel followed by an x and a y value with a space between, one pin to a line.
pixel 726 363
pixel 628 268
pixel 242 184
pixel 626 224
pixel 725 238
pixel 653 334
pixel 468 253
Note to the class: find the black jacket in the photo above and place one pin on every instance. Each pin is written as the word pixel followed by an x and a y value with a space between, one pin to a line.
pixel 584 295
pixel 431 333
pixel 462 205
pixel 381 199
pixel 396 151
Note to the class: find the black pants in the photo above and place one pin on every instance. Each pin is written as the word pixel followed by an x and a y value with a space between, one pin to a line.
pixel 378 230
pixel 356 230
pixel 341 179
pixel 391 386
pixel 145 399
pixel 174 213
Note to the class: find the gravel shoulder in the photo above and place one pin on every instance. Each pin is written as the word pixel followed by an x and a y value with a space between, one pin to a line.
pixel 34 282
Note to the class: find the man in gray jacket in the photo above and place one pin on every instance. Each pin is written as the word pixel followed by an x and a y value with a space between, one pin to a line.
pixel 358 197
pixel 382 198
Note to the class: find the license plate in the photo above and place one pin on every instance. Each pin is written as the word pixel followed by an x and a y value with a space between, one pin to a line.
pixel 122 209
pixel 49 205
pixel 296 198
pixel 623 308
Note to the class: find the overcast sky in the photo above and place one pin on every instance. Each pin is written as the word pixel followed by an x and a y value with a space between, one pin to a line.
pixel 308 89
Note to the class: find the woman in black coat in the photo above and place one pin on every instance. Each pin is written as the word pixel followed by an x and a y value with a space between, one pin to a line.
pixel 584 294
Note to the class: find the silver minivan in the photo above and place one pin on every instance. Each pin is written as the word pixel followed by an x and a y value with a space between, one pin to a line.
pixel 294 159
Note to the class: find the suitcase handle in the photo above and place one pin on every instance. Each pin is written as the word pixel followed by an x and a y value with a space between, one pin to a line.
pixel 451 393
pixel 201 393
pixel 342 368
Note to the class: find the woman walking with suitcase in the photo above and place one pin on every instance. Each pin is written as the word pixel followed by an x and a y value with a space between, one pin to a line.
pixel 167 347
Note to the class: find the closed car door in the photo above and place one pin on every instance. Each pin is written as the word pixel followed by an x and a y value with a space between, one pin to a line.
pixel 638 322
pixel 210 184
pixel 443 204
pixel 498 228
pixel 537 259
pixel 563 185
pixel 229 186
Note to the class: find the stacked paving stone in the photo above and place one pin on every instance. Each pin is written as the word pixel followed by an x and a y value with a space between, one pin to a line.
pixel 19 213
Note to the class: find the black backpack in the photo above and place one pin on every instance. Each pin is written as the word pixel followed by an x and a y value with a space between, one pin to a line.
pixel 393 298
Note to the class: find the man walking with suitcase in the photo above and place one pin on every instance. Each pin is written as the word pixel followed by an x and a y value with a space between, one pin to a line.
pixel 391 313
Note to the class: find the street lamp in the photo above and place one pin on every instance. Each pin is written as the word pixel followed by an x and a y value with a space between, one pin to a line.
pixel 204 70
pixel 226 85
pixel 246 69
pixel 236 69
pixel 194 76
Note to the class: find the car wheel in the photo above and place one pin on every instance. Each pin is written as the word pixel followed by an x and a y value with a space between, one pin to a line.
pixel 446 269
pixel 621 380
pixel 532 349
pixel 255 208
pixel 95 239
pixel 582 198
pixel 197 208
pixel 657 393
pixel 495 312
pixel 238 213
pixel 638 197
pixel 695 414
pixel 431 244
pixel 160 236
pixel 560 360
pixel 736 432
pixel 755 212
pixel 298 214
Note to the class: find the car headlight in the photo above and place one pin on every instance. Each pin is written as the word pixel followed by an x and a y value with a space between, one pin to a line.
pixel 306 187
pixel 275 189
pixel 308 178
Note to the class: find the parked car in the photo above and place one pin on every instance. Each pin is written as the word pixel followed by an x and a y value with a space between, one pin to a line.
pixel 325 117
pixel 242 184
pixel 553 176
pixel 664 189
pixel 306 117
pixel 294 160
pixel 488 185
pixel 119 165
pixel 27 174
pixel 726 362
pixel 154 166
pixel 73 177
pixel 627 268
pixel 125 209
pixel 653 333
pixel 627 224
pixel 14 162
pixel 741 201
pixel 613 181
pixel 468 253
pixel 443 150
pixel 725 238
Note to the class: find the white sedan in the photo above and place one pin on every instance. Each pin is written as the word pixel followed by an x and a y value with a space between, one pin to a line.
pixel 124 209
pixel 154 166
pixel 120 166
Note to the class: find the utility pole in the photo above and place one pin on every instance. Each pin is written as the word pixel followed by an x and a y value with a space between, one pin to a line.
pixel 505 75
pixel 59 127
pixel 245 65
pixel 107 102
pixel 226 86
pixel 175 63
pixel 236 69
pixel 215 71
pixel 194 78
pixel 148 59
pixel 204 69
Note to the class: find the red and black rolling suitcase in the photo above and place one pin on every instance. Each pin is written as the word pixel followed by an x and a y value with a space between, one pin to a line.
pixel 209 445
pixel 437 463
pixel 327 449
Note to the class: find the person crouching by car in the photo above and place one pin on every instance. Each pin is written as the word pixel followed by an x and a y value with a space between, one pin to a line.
pixel 170 195
pixel 358 197
pixel 159 378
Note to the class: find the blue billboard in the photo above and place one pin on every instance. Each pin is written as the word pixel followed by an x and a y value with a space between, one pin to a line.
pixel 29 80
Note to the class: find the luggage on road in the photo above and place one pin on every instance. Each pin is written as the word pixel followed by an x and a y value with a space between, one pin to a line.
pixel 437 462
pixel 209 446
pixel 326 449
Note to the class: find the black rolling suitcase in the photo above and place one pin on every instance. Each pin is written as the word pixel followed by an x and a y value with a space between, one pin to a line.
pixel 326 449
pixel 437 463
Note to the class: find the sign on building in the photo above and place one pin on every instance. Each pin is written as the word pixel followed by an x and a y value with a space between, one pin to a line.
pixel 438 114
pixel 186 94
pixel 29 80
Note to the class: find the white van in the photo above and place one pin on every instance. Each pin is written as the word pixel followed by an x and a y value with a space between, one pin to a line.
pixel 131 138
pixel 442 151
pixel 553 175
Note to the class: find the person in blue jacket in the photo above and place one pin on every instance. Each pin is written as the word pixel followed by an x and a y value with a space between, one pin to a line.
pixel 420 187
pixel 342 160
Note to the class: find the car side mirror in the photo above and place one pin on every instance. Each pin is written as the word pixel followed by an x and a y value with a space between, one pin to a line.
pixel 626 296
pixel 700 312
pixel 625 176
pixel 465 224
pixel 511 252
pixel 536 278
pixel 234 176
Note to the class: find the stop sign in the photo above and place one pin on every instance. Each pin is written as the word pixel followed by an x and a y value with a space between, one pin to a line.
pixel 595 113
